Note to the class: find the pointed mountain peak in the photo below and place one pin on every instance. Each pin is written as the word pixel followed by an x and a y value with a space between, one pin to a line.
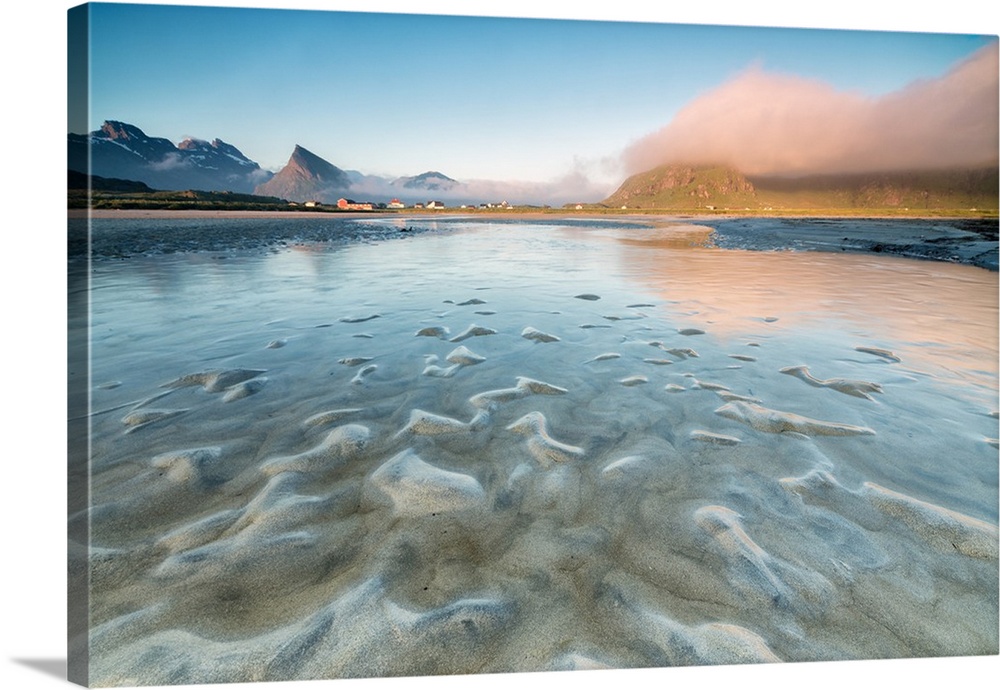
pixel 191 144
pixel 113 129
pixel 306 158
pixel 307 161
pixel 305 177
pixel 216 147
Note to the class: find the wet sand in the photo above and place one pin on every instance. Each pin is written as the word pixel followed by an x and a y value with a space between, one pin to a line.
pixel 956 240
pixel 965 241
pixel 514 448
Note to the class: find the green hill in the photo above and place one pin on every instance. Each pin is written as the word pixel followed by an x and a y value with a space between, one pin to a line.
pixel 108 193
pixel 691 188
pixel 83 181
pixel 684 186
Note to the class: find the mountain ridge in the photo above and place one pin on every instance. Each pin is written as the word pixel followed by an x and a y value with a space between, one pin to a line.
pixel 122 151
pixel 691 187
pixel 119 150
pixel 430 181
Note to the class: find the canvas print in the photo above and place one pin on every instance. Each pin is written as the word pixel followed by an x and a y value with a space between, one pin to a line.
pixel 410 345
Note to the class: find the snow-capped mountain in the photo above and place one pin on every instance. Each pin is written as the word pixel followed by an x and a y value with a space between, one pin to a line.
pixel 123 151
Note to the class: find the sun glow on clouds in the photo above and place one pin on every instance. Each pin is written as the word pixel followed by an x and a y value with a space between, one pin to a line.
pixel 767 123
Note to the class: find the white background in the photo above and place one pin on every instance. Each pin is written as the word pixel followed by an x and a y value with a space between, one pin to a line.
pixel 32 368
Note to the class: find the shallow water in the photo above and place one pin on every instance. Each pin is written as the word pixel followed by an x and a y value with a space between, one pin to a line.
pixel 644 525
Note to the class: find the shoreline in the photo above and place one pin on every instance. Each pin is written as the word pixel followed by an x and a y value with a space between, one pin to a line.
pixel 960 240
pixel 79 213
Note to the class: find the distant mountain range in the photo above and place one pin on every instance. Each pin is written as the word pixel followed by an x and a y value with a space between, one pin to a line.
pixel 307 177
pixel 123 152
pixel 429 181
pixel 718 187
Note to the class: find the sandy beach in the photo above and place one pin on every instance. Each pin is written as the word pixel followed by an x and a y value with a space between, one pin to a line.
pixel 500 446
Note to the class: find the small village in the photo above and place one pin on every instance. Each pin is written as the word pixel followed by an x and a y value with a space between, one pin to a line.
pixel 344 204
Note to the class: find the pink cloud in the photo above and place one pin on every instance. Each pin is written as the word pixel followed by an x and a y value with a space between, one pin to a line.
pixel 768 123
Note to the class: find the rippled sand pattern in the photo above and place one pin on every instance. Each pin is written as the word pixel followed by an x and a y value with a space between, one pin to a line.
pixel 677 486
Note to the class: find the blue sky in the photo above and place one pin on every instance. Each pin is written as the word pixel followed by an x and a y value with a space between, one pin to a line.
pixel 472 97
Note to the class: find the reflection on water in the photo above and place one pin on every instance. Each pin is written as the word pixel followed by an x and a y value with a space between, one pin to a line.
pixel 940 316
pixel 943 315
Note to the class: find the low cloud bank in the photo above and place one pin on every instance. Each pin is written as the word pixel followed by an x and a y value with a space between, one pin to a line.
pixel 765 123
pixel 575 186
